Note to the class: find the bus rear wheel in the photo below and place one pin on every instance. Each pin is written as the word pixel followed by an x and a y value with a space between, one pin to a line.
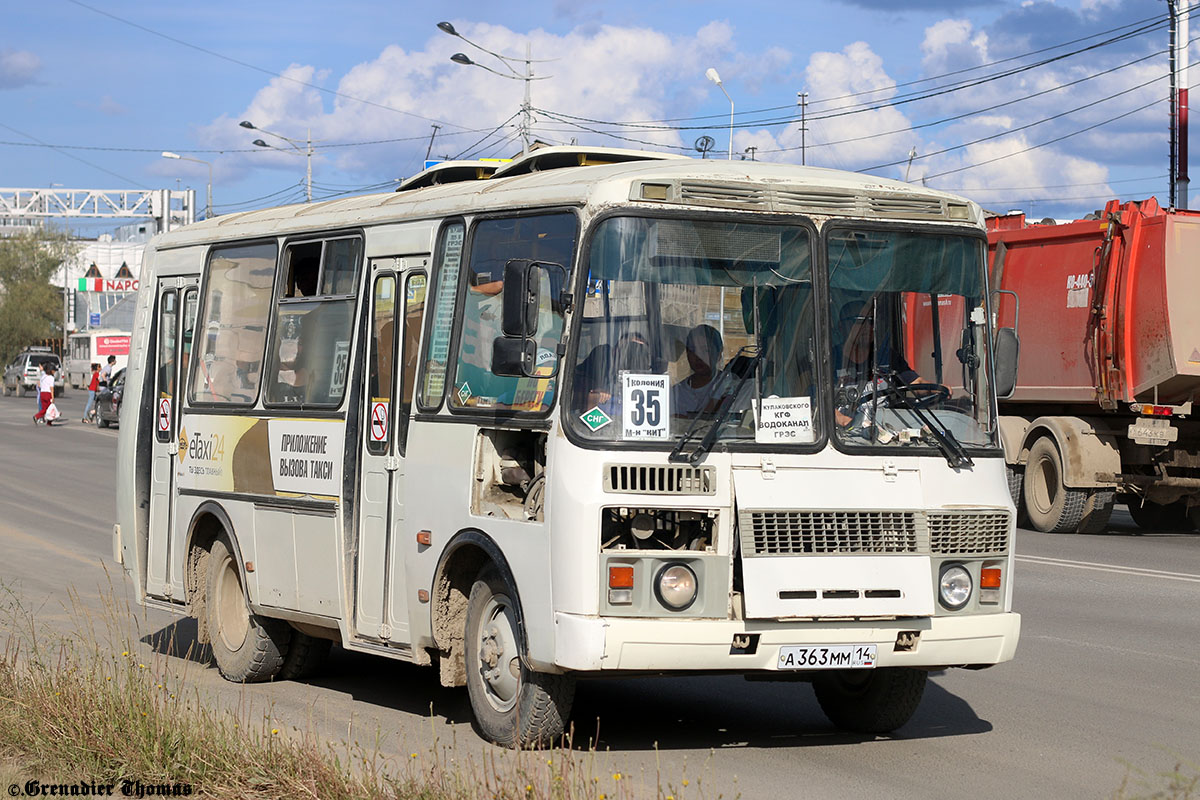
pixel 870 700
pixel 514 706
pixel 247 648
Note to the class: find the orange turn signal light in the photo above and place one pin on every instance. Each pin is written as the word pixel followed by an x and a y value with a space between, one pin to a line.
pixel 620 577
pixel 989 578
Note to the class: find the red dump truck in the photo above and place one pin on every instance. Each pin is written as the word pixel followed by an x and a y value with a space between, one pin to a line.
pixel 1107 311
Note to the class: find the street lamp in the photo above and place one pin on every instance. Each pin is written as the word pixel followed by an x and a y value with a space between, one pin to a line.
pixel 712 75
pixel 306 151
pixel 527 76
pixel 208 210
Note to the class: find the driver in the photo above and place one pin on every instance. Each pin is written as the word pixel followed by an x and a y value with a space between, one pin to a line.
pixel 855 386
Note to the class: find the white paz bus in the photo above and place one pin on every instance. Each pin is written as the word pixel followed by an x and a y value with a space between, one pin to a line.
pixel 592 413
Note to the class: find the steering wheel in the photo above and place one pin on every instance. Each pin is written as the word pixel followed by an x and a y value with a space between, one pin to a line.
pixel 924 395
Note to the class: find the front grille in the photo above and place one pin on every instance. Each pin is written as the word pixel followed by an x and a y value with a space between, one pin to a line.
pixel 968 532
pixel 829 532
pixel 650 479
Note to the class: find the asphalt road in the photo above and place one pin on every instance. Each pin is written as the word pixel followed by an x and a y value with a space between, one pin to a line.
pixel 1107 675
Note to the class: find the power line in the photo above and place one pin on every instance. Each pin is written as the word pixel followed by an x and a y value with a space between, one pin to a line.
pixel 966 114
pixel 1046 143
pixel 864 107
pixel 1022 127
pixel 214 54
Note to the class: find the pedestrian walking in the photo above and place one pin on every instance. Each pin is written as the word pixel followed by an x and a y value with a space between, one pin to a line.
pixel 106 373
pixel 45 394
pixel 89 411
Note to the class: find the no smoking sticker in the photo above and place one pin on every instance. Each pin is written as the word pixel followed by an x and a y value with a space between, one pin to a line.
pixel 379 421
pixel 164 414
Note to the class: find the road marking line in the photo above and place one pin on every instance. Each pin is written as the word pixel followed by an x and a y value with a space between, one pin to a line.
pixel 1138 571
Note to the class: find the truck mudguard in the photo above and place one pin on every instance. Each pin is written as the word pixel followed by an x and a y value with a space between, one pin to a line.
pixel 1086 449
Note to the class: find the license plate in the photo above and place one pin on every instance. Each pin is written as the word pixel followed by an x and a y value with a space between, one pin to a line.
pixel 830 656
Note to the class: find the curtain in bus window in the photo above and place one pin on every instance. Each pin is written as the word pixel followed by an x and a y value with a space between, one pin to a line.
pixel 237 302
pixel 437 346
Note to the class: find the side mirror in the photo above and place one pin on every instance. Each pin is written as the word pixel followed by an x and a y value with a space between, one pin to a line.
pixel 1007 350
pixel 522 298
pixel 514 358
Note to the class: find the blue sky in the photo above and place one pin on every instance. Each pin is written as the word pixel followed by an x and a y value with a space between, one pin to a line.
pixel 93 91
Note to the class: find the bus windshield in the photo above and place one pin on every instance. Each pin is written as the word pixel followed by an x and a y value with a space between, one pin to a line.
pixel 909 334
pixel 686 323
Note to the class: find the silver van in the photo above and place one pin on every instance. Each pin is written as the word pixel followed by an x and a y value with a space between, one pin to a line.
pixel 22 375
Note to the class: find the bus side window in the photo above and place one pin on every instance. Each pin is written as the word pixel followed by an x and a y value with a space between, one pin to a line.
pixel 310 354
pixel 414 317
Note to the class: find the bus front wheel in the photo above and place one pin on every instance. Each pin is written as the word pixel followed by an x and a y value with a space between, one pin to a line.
pixel 514 706
pixel 870 700
pixel 247 648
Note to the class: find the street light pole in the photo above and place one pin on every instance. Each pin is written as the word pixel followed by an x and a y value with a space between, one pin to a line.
pixel 306 151
pixel 208 209
pixel 527 76
pixel 712 75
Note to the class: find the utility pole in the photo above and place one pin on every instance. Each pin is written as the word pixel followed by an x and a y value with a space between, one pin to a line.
pixel 429 149
pixel 1181 107
pixel 802 101
pixel 527 107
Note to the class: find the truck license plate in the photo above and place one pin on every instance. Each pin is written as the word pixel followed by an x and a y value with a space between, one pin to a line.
pixel 1154 432
pixel 830 656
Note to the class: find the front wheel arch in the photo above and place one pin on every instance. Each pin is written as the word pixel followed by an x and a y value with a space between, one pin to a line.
pixel 469 552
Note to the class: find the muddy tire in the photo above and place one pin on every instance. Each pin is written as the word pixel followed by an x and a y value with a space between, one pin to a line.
pixel 870 700
pixel 247 648
pixel 513 705
pixel 305 658
pixel 1097 510
pixel 1050 506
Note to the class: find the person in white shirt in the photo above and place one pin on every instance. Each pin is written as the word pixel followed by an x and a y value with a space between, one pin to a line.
pixel 45 394
pixel 690 395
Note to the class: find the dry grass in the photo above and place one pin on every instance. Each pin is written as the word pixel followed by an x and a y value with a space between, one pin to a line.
pixel 1180 783
pixel 79 709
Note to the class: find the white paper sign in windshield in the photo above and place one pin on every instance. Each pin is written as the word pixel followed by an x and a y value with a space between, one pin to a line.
pixel 645 407
pixel 785 420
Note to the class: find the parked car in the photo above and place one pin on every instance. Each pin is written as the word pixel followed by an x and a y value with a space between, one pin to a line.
pixel 22 375
pixel 108 401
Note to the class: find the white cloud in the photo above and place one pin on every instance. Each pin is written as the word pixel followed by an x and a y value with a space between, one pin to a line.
pixel 18 68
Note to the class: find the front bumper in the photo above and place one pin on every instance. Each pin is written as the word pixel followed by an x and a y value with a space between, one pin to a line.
pixel 667 645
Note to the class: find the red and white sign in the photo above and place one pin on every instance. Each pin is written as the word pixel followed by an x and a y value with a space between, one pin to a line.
pixel 379 421
pixel 112 345
pixel 164 414
pixel 108 284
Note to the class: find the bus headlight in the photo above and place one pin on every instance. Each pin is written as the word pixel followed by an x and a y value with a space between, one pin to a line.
pixel 676 586
pixel 954 587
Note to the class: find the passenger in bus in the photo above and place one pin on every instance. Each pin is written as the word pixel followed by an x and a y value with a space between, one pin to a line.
pixel 703 347
pixel 598 378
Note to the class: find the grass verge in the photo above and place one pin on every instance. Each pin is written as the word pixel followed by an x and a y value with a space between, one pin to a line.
pixel 73 710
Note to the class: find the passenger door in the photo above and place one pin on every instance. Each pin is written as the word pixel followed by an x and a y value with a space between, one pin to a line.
pixel 174 339
pixel 397 309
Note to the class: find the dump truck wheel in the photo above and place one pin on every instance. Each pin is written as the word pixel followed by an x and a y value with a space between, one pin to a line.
pixel 1051 506
pixel 1157 517
pixel 1096 511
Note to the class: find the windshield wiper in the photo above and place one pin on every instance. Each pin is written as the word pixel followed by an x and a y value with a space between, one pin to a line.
pixel 956 455
pixel 734 375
